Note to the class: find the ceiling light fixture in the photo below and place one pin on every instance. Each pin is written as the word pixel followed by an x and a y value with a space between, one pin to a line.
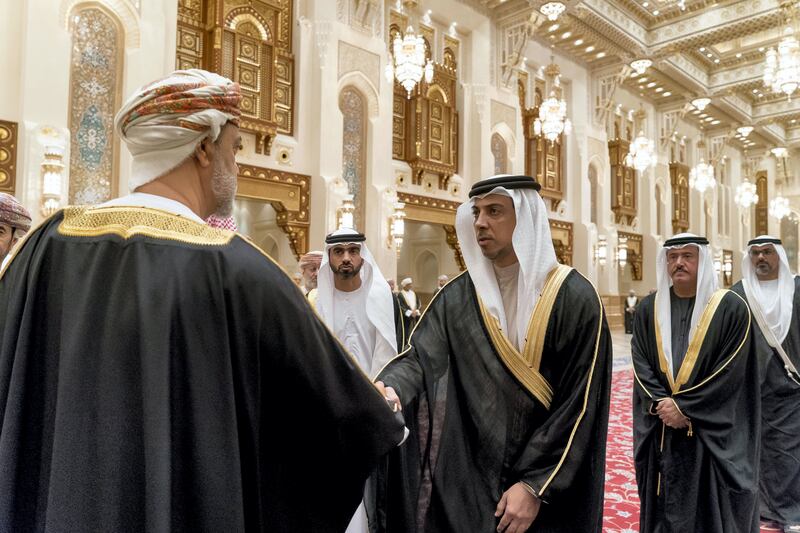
pixel 641 65
pixel 701 103
pixel 744 131
pixel 552 10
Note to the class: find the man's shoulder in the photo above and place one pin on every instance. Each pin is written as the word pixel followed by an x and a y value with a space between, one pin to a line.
pixel 576 285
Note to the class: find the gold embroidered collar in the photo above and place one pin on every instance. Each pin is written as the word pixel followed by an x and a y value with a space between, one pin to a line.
pixel 127 222
pixel 525 365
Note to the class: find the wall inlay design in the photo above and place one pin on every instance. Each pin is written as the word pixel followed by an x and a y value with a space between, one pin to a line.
pixel 354 148
pixel 95 83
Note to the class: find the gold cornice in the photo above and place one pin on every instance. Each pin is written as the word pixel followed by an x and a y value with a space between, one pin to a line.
pixel 288 193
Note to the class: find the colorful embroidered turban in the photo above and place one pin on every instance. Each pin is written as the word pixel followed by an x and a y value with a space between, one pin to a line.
pixel 14 213
pixel 163 121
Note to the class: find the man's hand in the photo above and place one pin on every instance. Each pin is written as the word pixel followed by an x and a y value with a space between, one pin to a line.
pixel 668 412
pixel 518 509
pixel 415 313
pixel 389 395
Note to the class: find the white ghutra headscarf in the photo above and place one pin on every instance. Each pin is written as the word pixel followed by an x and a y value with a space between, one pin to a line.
pixel 707 285
pixel 777 313
pixel 380 307
pixel 532 243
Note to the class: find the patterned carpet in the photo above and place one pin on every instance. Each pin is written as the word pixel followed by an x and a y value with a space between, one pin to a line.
pixel 621 513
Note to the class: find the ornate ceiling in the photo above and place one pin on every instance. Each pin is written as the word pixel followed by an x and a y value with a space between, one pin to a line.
pixel 698 48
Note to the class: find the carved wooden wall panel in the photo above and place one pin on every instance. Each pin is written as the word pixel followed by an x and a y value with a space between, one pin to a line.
pixel 289 195
pixel 762 206
pixel 8 156
pixel 250 42
pixel 561 233
pixel 679 178
pixel 635 256
pixel 623 182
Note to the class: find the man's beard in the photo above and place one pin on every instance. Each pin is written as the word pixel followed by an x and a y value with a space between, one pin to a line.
pixel 346 275
pixel 309 283
pixel 223 185
pixel 763 269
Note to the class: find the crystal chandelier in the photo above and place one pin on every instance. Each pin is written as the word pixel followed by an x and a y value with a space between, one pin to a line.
pixel 552 120
pixel 746 194
pixel 407 62
pixel 641 66
pixel 782 66
pixel 701 177
pixel 552 10
pixel 779 207
pixel 701 103
pixel 642 154
pixel 744 131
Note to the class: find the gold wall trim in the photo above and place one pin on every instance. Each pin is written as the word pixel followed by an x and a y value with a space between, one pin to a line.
pixel 435 211
pixel 288 193
pixel 128 222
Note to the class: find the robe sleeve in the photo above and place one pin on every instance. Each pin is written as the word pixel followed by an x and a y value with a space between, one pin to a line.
pixel 425 360
pixel 575 430
pixel 648 379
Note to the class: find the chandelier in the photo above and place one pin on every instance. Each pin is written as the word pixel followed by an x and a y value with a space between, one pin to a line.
pixel 552 10
pixel 779 207
pixel 641 65
pixel 701 103
pixel 701 177
pixel 746 194
pixel 642 154
pixel 782 66
pixel 744 131
pixel 552 120
pixel 407 63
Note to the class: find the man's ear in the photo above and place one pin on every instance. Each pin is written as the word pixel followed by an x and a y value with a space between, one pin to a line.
pixel 203 152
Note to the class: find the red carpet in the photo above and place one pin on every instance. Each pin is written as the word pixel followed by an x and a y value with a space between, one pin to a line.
pixel 621 513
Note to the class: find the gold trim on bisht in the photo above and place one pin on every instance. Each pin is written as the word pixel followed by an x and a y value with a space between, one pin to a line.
pixel 696 342
pixel 127 222
pixel 525 365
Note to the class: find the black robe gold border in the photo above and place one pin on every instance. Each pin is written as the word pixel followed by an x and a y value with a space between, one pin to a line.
pixel 685 372
pixel 525 366
pixel 600 321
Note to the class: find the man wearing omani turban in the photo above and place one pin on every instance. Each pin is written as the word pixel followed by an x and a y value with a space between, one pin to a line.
pixel 147 359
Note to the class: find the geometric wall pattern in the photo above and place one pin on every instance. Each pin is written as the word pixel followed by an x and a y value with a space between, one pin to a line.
pixel 95 80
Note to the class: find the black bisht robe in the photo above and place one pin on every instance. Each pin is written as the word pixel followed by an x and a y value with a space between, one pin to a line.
pixel 399 323
pixel 476 430
pixel 779 475
pixel 703 479
pixel 157 374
